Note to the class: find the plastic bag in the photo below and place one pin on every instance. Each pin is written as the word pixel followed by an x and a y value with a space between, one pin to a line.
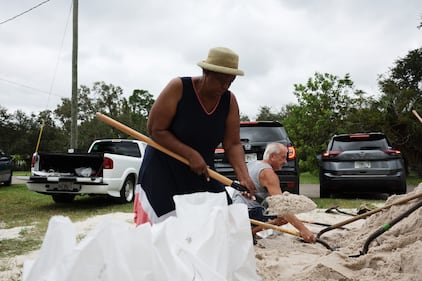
pixel 207 241
pixel 59 240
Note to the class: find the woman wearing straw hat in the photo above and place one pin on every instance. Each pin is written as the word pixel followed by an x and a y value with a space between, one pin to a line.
pixel 190 117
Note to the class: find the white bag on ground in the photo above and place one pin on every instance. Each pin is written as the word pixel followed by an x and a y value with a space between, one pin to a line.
pixel 207 241
pixel 220 235
pixel 59 240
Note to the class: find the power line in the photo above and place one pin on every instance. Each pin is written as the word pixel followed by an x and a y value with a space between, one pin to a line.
pixel 14 17
pixel 58 57
pixel 29 87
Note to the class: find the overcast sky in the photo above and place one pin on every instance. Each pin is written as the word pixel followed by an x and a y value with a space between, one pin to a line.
pixel 142 44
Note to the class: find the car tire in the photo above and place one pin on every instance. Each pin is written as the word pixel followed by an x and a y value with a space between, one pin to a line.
pixel 403 187
pixel 127 192
pixel 323 189
pixel 296 190
pixel 9 181
pixel 63 198
pixel 323 192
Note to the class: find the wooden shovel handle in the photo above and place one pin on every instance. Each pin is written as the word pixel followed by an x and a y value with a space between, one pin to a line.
pixel 285 230
pixel 275 227
pixel 417 115
pixel 367 214
pixel 137 135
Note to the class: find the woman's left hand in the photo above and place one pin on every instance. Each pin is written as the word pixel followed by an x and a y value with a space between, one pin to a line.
pixel 248 183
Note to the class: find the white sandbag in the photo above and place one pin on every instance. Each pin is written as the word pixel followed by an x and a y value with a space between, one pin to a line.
pixel 59 240
pixel 166 240
pixel 241 255
pixel 203 219
pixel 189 246
pixel 218 235
pixel 110 252
pixel 207 241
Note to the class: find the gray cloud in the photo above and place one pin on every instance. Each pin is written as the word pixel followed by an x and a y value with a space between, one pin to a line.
pixel 143 44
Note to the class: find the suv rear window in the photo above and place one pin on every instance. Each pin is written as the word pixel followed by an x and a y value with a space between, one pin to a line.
pixel 360 142
pixel 261 134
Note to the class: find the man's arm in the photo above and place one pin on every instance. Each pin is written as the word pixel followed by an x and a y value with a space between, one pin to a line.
pixel 270 180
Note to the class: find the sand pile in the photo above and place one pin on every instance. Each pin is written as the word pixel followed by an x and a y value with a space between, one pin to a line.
pixel 394 255
pixel 288 203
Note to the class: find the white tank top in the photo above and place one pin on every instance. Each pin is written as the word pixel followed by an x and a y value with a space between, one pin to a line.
pixel 255 168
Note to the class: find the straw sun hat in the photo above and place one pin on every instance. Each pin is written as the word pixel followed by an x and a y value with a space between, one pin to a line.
pixel 222 60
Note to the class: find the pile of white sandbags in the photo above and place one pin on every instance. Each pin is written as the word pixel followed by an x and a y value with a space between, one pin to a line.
pixel 208 240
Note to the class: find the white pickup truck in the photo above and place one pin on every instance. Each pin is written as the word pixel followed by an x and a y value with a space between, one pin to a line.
pixel 110 167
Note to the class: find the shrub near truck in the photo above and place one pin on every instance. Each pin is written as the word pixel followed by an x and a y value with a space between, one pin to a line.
pixel 110 167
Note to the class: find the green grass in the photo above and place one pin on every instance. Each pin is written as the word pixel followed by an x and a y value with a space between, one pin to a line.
pixel 355 203
pixel 413 180
pixel 21 173
pixel 308 178
pixel 21 207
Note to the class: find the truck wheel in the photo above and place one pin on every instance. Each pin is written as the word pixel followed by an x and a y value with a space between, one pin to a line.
pixel 128 190
pixel 63 198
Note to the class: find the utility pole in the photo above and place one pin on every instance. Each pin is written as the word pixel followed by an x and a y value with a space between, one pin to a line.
pixel 74 104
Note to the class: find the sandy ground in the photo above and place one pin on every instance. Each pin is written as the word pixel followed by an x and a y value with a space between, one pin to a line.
pixel 394 255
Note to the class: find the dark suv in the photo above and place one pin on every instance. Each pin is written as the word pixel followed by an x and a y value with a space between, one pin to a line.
pixel 6 169
pixel 254 137
pixel 361 163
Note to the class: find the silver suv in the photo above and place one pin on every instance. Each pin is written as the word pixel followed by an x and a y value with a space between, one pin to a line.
pixel 254 137
pixel 361 163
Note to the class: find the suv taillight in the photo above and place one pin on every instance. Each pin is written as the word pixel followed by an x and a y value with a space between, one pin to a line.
pixel 330 154
pixel 219 151
pixel 392 151
pixel 107 163
pixel 291 152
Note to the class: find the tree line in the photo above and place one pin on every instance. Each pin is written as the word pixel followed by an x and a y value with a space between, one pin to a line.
pixel 48 130
pixel 326 105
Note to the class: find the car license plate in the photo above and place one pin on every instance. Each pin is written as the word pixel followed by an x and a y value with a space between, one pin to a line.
pixel 250 157
pixel 362 164
pixel 67 186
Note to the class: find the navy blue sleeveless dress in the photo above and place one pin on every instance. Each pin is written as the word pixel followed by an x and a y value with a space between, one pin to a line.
pixel 161 176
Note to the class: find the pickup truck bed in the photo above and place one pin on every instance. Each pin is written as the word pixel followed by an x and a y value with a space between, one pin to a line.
pixel 68 163
pixel 110 167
